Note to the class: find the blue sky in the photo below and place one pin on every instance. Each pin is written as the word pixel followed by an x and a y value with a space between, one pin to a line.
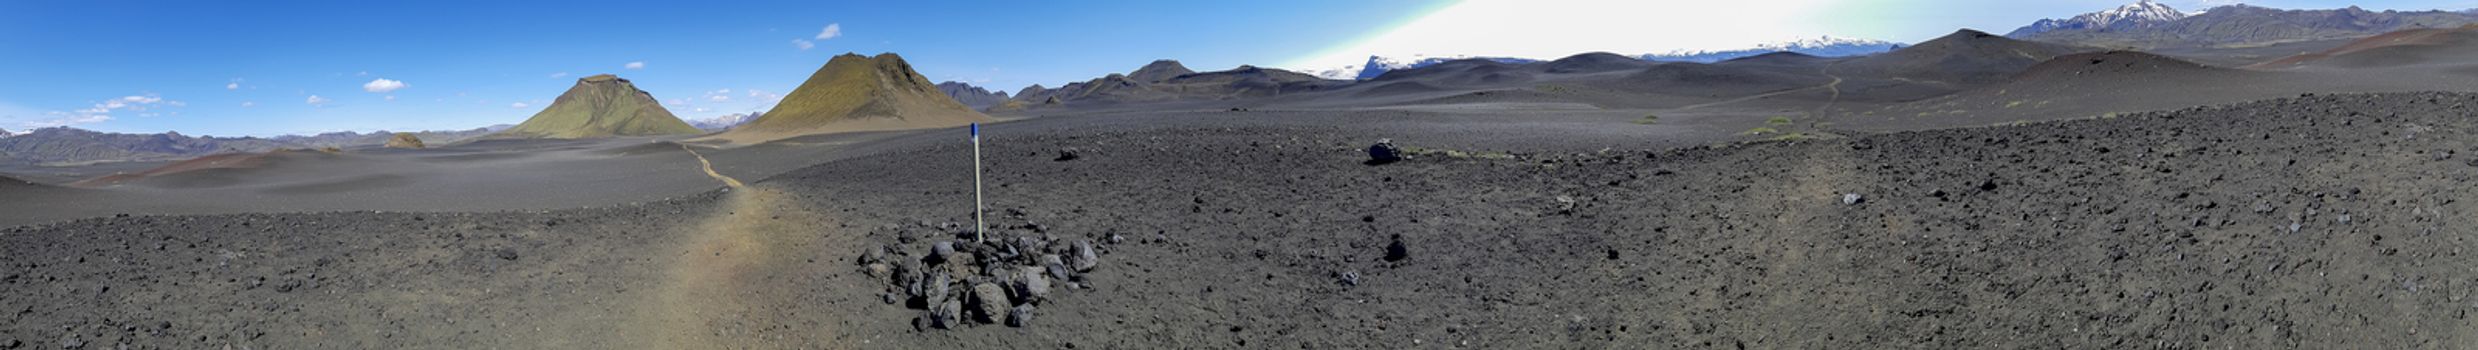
pixel 252 68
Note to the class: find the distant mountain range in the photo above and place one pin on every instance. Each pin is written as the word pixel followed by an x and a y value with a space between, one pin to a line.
pixel 1378 65
pixel 972 96
pixel 1166 80
pixel 724 122
pixel 2146 26
pixel 69 146
pixel 1823 46
pixel 2143 14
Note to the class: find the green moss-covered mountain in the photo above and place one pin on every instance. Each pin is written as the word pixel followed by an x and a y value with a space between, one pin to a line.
pixel 601 106
pixel 859 93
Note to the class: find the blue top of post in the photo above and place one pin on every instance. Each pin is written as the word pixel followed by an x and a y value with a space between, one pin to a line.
pixel 976 130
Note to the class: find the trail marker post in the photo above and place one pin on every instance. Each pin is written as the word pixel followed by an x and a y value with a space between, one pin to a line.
pixel 977 208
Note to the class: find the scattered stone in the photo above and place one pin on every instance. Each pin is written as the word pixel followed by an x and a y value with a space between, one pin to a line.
pixel 1396 252
pixel 879 270
pixel 1349 278
pixel 506 254
pixel 872 255
pixel 1116 238
pixel 1066 154
pixel 947 315
pixel 10 344
pixel 937 289
pixel 942 251
pixel 1851 199
pixel 1032 285
pixel 1020 315
pixel 890 297
pixel 1384 152
pixel 1085 259
pixel 73 342
pixel 991 301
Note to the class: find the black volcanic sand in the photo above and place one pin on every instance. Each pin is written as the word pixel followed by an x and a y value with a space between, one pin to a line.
pixel 478 176
pixel 2327 221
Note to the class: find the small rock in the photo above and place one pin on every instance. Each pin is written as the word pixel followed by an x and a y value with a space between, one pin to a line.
pixel 1350 278
pixel 890 297
pixel 1033 285
pixel 1085 259
pixel 72 342
pixel 1067 154
pixel 1395 252
pixel 941 251
pixel 506 254
pixel 10 344
pixel 1851 199
pixel 937 288
pixel 1116 238
pixel 947 315
pixel 879 270
pixel 1020 315
pixel 872 255
pixel 991 301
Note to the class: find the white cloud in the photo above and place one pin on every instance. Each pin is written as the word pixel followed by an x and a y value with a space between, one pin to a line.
pixel 678 102
pixel 391 97
pixel 248 104
pixel 66 119
pixel 518 105
pixel 634 65
pixel 102 111
pixel 383 86
pixel 719 98
pixel 558 75
pixel 803 44
pixel 1546 29
pixel 232 86
pixel 703 109
pixel 832 30
pixel 316 101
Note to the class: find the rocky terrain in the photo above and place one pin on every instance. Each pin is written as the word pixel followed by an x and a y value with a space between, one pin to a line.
pixel 2255 225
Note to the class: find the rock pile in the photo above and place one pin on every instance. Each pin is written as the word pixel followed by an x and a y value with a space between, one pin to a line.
pixel 957 282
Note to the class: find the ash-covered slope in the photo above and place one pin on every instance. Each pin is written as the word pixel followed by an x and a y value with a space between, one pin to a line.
pixel 2456 46
pixel 1964 57
pixel 602 105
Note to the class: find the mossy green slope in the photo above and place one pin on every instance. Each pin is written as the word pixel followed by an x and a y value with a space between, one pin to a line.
pixel 854 93
pixel 601 106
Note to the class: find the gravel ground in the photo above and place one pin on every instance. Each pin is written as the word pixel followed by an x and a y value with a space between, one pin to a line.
pixel 2328 221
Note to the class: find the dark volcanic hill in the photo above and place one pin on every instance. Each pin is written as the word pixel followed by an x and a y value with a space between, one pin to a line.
pixel 1964 57
pixel 2403 48
pixel 1159 71
pixel 2244 25
pixel 602 105
pixel 1156 82
pixel 1594 62
pixel 972 96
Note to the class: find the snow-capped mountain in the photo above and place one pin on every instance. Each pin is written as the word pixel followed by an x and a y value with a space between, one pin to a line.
pixel 1823 46
pixel 723 122
pixel 2144 13
pixel 1378 65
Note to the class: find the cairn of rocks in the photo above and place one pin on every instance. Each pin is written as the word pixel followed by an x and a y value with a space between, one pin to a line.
pixel 957 282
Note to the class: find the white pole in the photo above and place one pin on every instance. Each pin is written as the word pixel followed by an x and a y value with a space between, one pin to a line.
pixel 977 208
